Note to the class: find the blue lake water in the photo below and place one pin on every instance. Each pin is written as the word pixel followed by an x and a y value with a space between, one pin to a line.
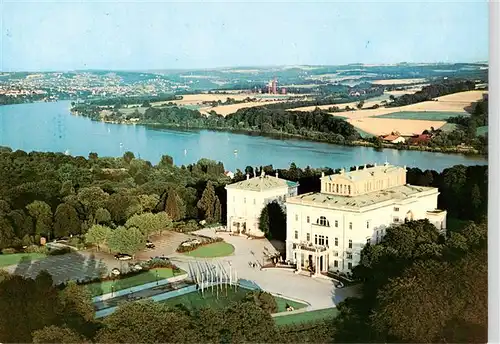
pixel 51 127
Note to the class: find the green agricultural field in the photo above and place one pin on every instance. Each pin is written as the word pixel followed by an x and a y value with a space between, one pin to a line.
pixel 449 127
pixel 195 300
pixel 423 115
pixel 14 258
pixel 217 249
pixel 305 317
pixel 363 133
pixel 100 288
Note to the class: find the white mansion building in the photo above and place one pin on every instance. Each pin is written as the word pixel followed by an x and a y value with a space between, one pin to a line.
pixel 327 230
pixel 246 199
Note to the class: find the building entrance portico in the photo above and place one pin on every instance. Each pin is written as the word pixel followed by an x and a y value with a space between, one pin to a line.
pixel 311 258
pixel 238 225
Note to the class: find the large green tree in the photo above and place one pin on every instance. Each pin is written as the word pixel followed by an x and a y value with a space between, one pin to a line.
pixel 126 240
pixel 97 235
pixel 66 221
pixel 42 214
pixel 207 202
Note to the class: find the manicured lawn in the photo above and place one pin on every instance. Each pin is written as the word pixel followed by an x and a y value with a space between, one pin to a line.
pixel 306 317
pixel 424 115
pixel 195 300
pixel 14 258
pixel 100 288
pixel 217 249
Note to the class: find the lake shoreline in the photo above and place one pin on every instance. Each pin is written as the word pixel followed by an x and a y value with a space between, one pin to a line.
pixel 281 136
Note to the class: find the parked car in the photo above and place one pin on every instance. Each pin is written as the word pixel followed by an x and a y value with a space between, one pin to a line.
pixel 123 256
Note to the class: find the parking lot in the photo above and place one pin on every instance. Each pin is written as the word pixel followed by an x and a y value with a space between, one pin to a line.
pixel 72 266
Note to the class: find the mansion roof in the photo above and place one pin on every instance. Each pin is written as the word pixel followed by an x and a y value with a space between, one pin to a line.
pixel 398 193
pixel 367 172
pixel 262 183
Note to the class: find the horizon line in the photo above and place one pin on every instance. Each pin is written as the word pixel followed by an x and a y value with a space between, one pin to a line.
pixel 136 70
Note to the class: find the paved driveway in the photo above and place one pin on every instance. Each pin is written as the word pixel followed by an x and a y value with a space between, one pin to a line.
pixel 318 292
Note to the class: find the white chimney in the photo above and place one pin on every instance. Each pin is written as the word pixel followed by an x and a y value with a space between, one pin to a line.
pixel 364 166
pixel 342 171
pixel 248 176
pixel 375 164
pixel 322 174
pixel 277 174
pixel 357 167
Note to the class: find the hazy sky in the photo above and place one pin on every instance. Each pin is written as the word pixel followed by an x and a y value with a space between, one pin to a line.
pixel 65 35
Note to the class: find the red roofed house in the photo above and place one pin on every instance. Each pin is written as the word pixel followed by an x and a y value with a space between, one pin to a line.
pixel 393 138
pixel 419 139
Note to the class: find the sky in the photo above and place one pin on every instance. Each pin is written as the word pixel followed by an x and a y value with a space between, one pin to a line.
pixel 125 35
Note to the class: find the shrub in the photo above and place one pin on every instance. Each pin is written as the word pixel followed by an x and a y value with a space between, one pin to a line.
pixel 60 251
pixel 36 249
pixel 9 251
pixel 186 227
pixel 156 263
pixel 263 300
pixel 206 241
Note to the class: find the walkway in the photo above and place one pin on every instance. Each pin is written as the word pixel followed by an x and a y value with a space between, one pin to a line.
pixel 318 292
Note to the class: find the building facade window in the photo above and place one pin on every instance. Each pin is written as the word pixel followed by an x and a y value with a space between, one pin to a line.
pixel 315 239
pixel 368 224
pixel 337 187
pixel 335 264
pixel 326 241
pixel 322 221
pixel 396 219
pixel 336 224
pixel 396 209
pixel 245 200
pixel 308 219
pixel 336 241
pixel 368 241
pixel 296 234
pixel 349 255
pixel 321 240
pixel 308 237
pixel 349 189
pixel 349 266
pixel 350 225
pixel 350 243
pixel 296 217
pixel 254 201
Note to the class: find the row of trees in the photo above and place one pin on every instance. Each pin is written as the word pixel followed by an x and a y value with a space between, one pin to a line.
pixel 54 195
pixel 40 312
pixel 433 91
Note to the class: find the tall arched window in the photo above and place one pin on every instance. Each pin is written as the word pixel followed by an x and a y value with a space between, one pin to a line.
pixel 322 221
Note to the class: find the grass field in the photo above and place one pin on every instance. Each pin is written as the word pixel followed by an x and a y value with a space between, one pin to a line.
pixel 195 300
pixel 100 288
pixel 217 249
pixel 305 317
pixel 14 258
pixel 424 115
